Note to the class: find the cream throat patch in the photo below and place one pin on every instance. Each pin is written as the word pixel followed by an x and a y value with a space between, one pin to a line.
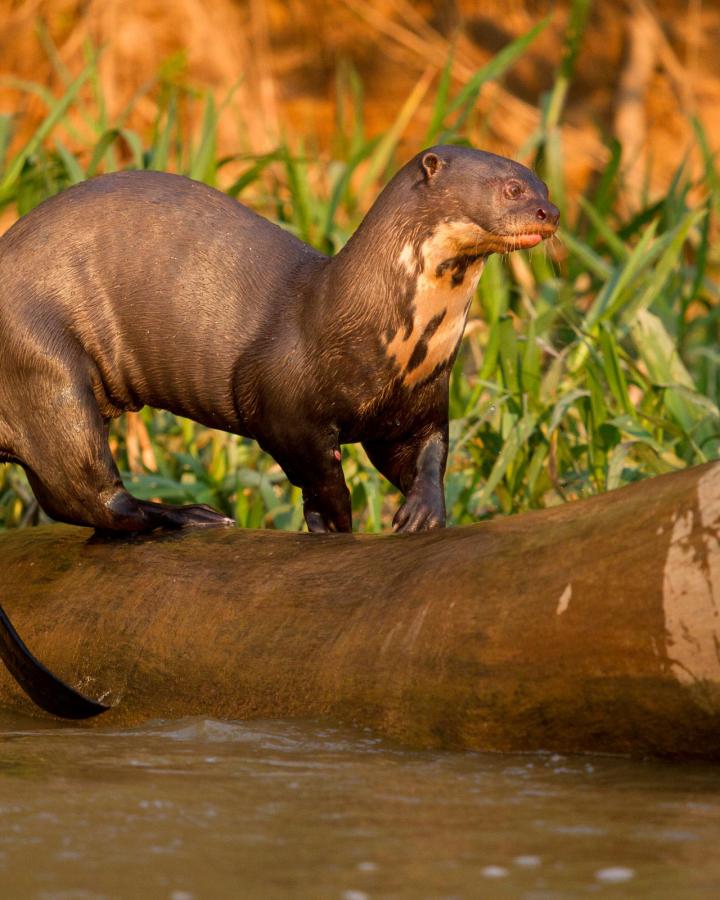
pixel 449 264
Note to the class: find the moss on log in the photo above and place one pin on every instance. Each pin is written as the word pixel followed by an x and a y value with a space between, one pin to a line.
pixel 588 627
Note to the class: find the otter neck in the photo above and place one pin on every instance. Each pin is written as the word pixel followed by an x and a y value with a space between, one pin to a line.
pixel 410 286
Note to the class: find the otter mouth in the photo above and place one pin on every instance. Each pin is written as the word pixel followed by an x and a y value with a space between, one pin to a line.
pixel 483 242
pixel 521 240
pixel 495 242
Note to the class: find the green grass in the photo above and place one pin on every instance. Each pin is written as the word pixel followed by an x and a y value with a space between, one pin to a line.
pixel 586 366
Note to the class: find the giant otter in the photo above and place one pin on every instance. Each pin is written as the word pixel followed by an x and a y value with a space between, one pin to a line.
pixel 147 288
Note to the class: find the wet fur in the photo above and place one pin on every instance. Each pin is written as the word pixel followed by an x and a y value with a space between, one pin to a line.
pixel 144 288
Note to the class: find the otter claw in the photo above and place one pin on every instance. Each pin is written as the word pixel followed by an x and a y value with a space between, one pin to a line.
pixel 315 522
pixel 201 515
pixel 418 514
pixel 191 516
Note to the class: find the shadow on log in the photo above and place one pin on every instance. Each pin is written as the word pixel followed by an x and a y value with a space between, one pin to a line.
pixel 589 627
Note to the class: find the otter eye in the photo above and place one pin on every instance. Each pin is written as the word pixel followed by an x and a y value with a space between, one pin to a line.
pixel 513 189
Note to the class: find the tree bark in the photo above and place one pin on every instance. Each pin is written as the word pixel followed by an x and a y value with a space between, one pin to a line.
pixel 592 626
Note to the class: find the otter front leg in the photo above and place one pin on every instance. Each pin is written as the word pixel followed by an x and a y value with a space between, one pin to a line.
pixel 315 466
pixel 416 465
pixel 327 506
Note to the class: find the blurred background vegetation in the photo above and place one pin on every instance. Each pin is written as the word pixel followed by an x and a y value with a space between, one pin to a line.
pixel 586 364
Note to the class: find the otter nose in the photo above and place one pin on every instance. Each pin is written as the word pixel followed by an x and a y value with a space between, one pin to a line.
pixel 548 213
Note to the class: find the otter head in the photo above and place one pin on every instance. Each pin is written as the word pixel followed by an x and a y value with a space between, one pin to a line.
pixel 436 222
pixel 494 204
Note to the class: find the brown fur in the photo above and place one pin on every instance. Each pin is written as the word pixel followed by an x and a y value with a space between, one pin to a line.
pixel 146 288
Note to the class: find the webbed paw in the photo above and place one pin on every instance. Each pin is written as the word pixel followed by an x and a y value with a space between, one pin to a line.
pixel 419 512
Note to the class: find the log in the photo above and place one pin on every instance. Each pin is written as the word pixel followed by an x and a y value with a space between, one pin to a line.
pixel 592 626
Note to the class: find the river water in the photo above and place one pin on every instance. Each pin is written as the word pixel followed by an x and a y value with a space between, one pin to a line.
pixel 207 809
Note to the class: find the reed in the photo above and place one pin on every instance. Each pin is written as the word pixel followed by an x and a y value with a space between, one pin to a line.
pixel 586 365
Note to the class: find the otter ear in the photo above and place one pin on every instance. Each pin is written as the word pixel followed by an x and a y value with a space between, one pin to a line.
pixel 431 165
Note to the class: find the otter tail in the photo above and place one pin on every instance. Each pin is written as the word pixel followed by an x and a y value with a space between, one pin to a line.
pixel 39 683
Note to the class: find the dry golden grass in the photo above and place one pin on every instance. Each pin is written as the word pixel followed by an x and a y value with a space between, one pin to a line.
pixel 282 59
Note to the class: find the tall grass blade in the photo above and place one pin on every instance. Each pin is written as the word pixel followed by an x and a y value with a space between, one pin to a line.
pixel 58 109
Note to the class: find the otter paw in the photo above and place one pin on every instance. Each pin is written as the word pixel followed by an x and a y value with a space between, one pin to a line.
pixel 193 516
pixel 419 514
pixel 315 522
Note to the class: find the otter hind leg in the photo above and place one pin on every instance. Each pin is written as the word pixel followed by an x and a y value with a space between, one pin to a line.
pixel 75 479
pixel 114 510
pixel 164 515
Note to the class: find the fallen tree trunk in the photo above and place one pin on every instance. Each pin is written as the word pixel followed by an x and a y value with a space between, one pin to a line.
pixel 588 627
